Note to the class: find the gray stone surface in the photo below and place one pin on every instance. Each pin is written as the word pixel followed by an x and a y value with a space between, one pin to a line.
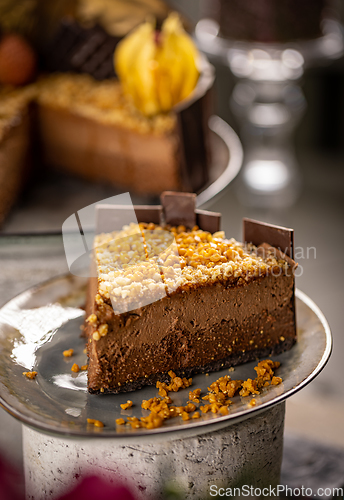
pixel 249 452
pixel 314 466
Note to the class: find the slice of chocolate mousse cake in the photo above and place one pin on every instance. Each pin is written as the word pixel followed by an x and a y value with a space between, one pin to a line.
pixel 173 293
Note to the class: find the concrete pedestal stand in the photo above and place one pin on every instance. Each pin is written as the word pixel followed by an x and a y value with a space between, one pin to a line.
pixel 246 453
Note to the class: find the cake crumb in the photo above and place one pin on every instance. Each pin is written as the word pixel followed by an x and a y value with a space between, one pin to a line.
pixel 205 408
pixel 96 335
pixel 96 423
pixel 190 407
pixel 249 386
pixel 194 395
pixel 103 329
pixel 30 375
pixel 68 353
pixel 224 410
pixel 92 319
pixel 126 405
pixel 75 368
pixel 218 401
pixel 176 384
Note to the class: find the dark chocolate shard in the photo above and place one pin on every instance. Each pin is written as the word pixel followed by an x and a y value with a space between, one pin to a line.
pixel 181 211
pixel 113 217
pixel 179 208
pixel 82 50
pixel 208 221
pixel 194 131
pixel 148 213
pixel 257 232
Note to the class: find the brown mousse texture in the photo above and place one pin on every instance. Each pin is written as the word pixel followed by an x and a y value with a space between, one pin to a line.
pixel 230 303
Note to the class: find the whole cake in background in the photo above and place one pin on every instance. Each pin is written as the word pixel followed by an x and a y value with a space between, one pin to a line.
pixel 146 132
pixel 268 21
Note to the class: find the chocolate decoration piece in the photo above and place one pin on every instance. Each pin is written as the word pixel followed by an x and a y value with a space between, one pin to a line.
pixel 196 154
pixel 82 50
pixel 277 236
pixel 179 208
pixel 192 123
pixel 208 221
pixel 113 217
pixel 147 213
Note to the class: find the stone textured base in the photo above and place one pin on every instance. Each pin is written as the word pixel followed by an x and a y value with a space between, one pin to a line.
pixel 246 453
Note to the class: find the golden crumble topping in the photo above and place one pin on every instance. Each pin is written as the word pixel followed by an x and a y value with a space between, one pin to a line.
pixel 144 262
pixel 124 271
pixel 100 100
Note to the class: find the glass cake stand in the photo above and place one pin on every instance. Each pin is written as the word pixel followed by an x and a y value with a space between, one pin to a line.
pixel 40 323
pixel 269 103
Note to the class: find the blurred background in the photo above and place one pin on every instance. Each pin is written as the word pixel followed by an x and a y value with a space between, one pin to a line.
pixel 285 101
pixel 316 144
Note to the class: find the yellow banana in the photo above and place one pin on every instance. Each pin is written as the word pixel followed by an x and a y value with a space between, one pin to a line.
pixel 157 70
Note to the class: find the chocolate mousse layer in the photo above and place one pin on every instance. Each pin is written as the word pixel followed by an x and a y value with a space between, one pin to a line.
pixel 203 330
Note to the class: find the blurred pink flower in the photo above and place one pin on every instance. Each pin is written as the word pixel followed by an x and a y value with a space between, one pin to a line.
pixel 88 488
pixel 11 482
pixel 91 488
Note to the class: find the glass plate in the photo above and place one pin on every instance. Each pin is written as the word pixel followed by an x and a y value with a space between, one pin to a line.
pixel 39 324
